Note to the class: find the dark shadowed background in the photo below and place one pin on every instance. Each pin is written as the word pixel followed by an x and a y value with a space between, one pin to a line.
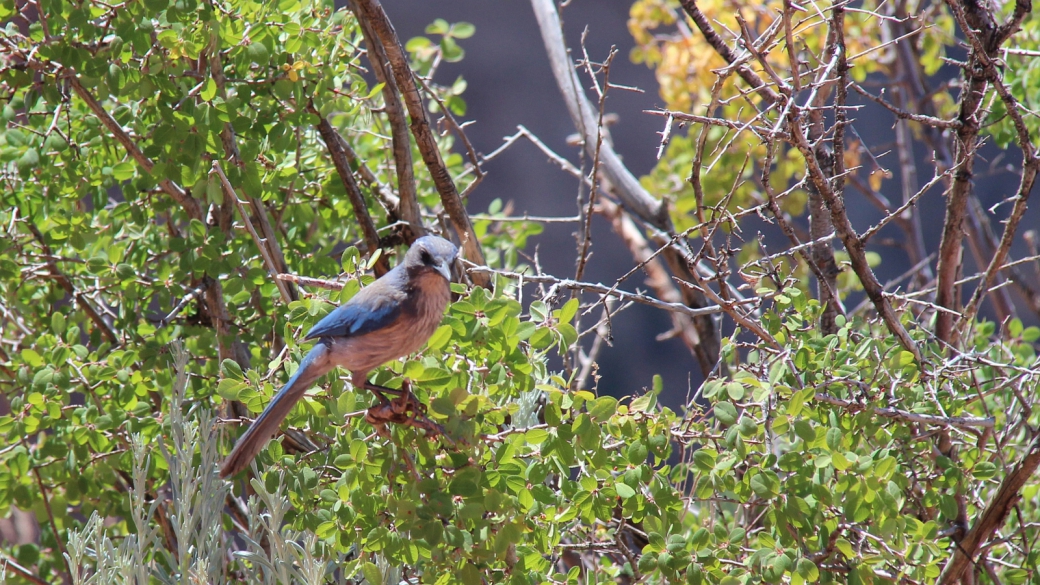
pixel 510 83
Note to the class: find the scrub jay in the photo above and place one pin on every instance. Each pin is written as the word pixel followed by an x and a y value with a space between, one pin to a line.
pixel 388 319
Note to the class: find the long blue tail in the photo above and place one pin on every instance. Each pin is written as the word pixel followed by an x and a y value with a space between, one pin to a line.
pixel 315 365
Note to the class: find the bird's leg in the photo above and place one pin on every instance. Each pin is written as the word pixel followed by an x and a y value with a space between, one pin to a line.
pixel 382 391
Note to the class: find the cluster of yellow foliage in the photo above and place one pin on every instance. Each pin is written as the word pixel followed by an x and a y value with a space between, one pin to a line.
pixel 693 78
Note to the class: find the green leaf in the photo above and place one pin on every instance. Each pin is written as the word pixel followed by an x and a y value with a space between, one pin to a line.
pixel 258 53
pixel 462 30
pixel 466 482
pixel 29 161
pixel 1016 576
pixel 451 50
pixel 763 486
pixel 209 90
pixel 58 323
pixel 704 458
pixel 509 535
pixel 230 369
pixel 372 573
pixel 624 491
pixel 984 470
pixel 602 408
pixel 808 570
pixel 726 413
pixel 416 43
pixel 636 453
pixel 230 389
pixel 123 171
pixel 568 311
pixel 440 337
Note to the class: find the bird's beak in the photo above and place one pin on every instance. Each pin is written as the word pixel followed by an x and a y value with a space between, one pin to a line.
pixel 445 269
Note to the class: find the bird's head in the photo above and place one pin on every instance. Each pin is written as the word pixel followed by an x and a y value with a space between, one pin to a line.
pixel 431 253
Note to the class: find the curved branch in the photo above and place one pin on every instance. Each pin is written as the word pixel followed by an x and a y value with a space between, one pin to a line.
pixel 334 144
pixel 408 203
pixel 624 184
pixel 584 115
pixel 372 12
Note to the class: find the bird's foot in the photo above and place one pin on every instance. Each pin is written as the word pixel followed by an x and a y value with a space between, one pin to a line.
pixel 382 391
pixel 405 409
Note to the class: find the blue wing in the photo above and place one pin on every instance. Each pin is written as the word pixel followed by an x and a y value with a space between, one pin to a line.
pixel 366 312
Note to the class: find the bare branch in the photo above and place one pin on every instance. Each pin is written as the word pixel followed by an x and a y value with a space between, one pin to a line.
pixel 623 183
pixel 993 517
pixel 371 11
pixel 334 144
pixel 272 269
pixel 544 279
pixel 905 115
pixel 656 275
pixel 408 204
pixel 583 115
pixel 962 422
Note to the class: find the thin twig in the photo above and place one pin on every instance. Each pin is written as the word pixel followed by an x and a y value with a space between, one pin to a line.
pixel 963 422
pixel 272 269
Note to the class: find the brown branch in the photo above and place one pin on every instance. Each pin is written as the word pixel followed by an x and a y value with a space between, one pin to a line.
pixel 656 275
pixel 708 120
pixel 603 290
pixel 961 422
pixel 229 193
pixel 182 197
pixel 583 115
pixel 905 115
pixel 50 519
pixel 371 11
pixel 993 516
pixel 560 282
pixel 622 182
pixel 970 115
pixel 976 22
pixel 585 241
pixel 10 563
pixel 1014 22
pixel 729 307
pixel 381 191
pixel 214 298
pixel 334 144
pixel 460 133
pixel 746 73
pixel 1029 172
pixel 854 246
pixel 826 281
pixel 269 239
pixel 408 203
pixel 65 283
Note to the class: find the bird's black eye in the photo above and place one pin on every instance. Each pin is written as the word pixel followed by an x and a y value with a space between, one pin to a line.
pixel 426 257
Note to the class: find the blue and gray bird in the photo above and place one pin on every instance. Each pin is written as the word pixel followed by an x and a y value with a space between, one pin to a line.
pixel 389 319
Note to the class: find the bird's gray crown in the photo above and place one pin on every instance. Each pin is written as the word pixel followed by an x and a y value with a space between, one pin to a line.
pixel 432 252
